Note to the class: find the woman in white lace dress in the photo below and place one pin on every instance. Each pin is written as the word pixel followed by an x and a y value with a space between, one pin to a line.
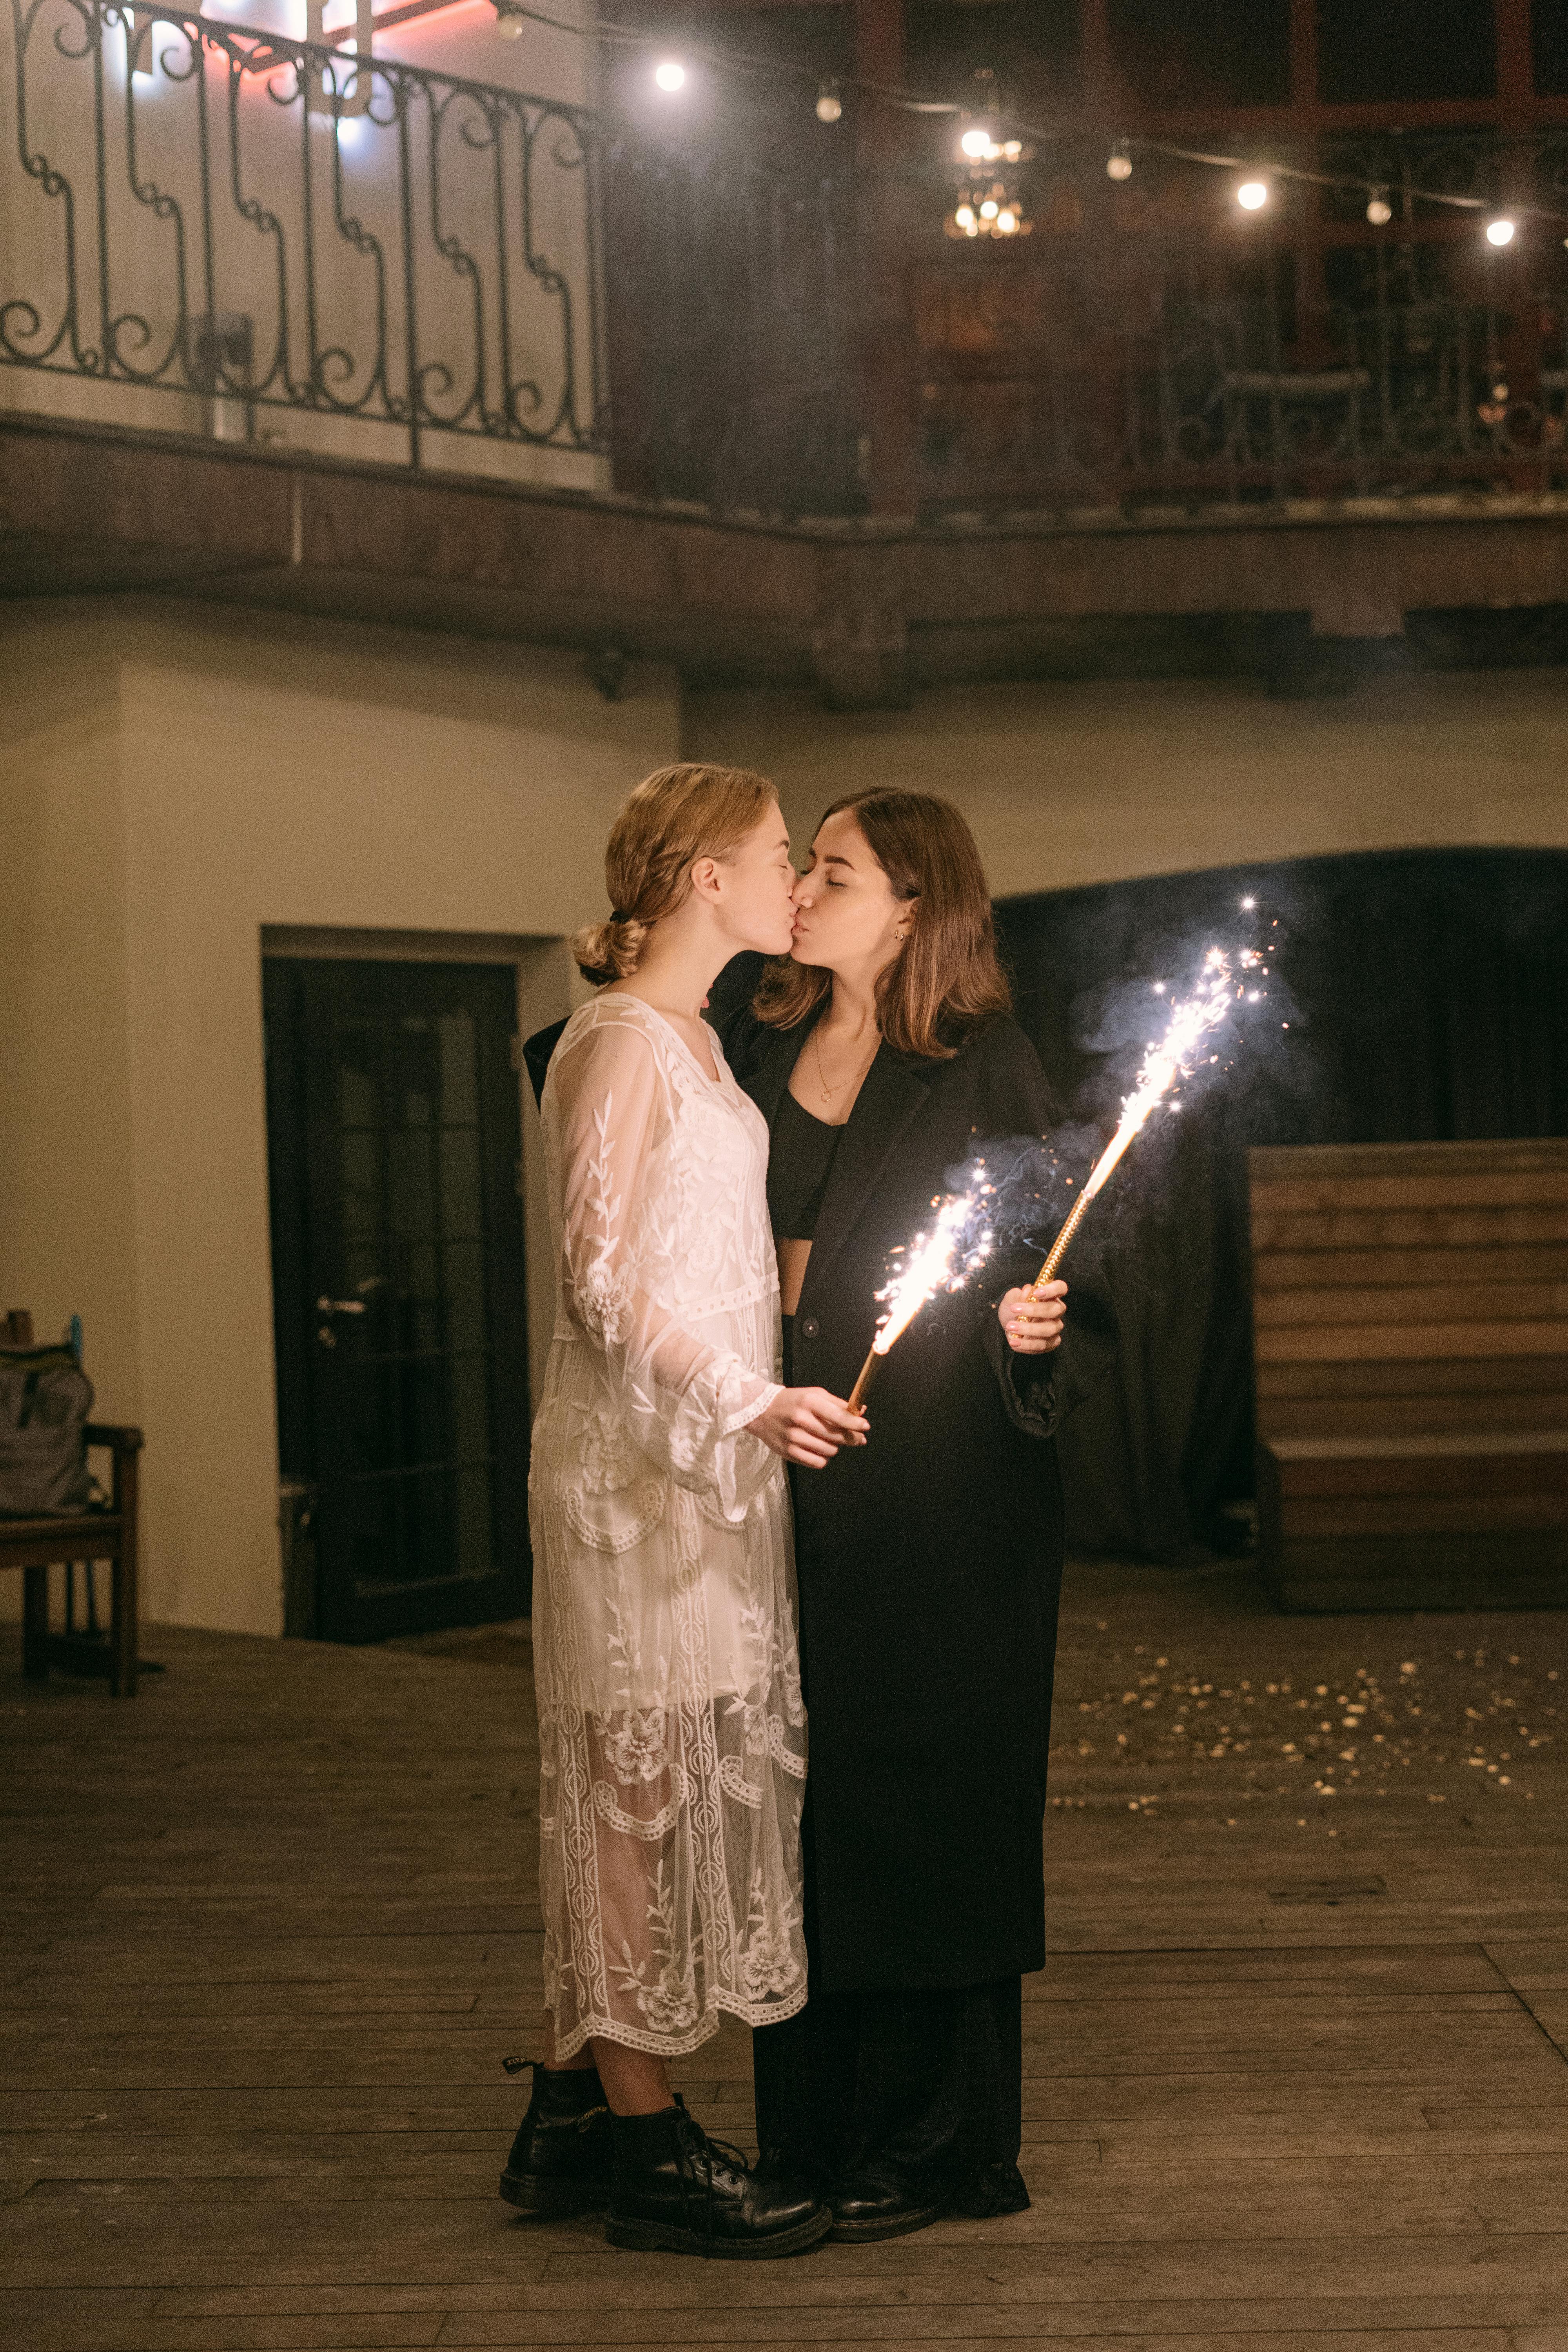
pixel 673 1734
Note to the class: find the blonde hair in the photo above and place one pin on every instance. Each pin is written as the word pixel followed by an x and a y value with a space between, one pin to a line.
pixel 946 980
pixel 674 817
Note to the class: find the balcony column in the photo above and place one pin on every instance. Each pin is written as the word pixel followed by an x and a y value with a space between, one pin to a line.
pixel 892 218
pixel 1514 288
pixel 1315 346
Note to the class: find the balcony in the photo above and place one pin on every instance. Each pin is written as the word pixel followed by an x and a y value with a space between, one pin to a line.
pixel 341 332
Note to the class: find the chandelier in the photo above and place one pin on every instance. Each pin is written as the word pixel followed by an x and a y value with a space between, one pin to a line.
pixel 987 201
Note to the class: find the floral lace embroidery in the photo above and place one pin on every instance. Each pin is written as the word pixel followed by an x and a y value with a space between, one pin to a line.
pixel 657 1826
pixel 608 1457
pixel 639 1750
pixel 733 1782
pixel 770 1965
pixel 666 1668
pixel 668 2003
pixel 610 1529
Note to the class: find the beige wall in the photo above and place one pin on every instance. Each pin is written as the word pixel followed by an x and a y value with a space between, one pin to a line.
pixel 67 1230
pixel 173 782
pixel 1074 783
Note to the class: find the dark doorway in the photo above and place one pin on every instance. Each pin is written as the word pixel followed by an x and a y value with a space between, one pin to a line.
pixel 394 1132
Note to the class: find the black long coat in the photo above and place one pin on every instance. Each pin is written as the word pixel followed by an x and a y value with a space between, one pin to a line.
pixel 930 1559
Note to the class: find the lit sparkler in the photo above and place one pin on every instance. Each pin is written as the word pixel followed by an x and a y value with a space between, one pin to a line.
pixel 1225 980
pixel 943 1259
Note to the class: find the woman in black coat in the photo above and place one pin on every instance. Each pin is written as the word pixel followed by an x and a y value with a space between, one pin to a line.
pixel 928 1561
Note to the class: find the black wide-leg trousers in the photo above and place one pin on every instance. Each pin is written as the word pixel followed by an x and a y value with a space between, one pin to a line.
pixel 926 2084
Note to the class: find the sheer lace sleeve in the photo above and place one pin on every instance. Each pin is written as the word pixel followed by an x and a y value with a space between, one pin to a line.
pixel 686 1403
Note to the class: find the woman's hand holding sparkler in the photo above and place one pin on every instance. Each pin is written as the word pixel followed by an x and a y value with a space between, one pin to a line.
pixel 1033 1318
pixel 808 1426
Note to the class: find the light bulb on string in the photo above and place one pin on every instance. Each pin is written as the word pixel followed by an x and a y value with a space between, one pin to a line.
pixel 829 105
pixel 1252 195
pixel 1379 211
pixel 670 74
pixel 1119 163
pixel 975 143
pixel 1500 231
pixel 509 24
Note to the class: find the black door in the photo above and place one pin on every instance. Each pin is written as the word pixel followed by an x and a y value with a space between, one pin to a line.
pixel 397 1269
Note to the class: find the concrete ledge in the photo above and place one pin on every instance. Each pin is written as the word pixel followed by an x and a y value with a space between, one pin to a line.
pixel 741 599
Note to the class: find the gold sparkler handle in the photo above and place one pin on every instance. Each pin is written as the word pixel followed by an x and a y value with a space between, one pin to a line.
pixel 868 1372
pixel 1058 1247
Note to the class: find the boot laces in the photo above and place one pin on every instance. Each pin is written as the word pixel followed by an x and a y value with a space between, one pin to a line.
pixel 701 2156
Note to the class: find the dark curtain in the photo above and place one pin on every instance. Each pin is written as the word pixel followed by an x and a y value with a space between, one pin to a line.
pixel 1428 997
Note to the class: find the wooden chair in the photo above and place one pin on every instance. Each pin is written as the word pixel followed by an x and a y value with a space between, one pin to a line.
pixel 109 1533
pixel 1410 1305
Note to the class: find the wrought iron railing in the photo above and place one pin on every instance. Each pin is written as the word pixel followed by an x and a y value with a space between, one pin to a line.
pixel 1114 361
pixel 368 258
pixel 255 225
pixel 730 302
pixel 1203 401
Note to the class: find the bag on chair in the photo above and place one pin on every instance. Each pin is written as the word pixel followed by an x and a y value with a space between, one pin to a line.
pixel 44 1400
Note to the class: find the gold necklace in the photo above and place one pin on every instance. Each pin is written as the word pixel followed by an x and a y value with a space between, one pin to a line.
pixel 840 1083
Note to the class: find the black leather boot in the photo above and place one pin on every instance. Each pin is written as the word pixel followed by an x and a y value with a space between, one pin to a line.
pixel 560 2160
pixel 674 2190
pixel 873 2199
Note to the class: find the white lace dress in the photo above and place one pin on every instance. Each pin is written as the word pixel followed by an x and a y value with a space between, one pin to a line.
pixel 672 1736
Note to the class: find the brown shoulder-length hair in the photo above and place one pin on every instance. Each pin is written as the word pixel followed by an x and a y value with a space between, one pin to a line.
pixel 946 978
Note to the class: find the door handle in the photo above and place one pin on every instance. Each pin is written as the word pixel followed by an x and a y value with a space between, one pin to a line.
pixel 340 1306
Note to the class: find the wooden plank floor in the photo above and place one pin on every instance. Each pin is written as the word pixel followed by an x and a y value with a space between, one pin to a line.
pixel 1297 2073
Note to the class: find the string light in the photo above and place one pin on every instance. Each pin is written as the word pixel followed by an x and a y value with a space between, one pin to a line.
pixel 829 105
pixel 670 74
pixel 1379 211
pixel 1253 193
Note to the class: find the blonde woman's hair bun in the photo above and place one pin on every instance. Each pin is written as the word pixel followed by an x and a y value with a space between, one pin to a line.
pixel 674 817
pixel 606 951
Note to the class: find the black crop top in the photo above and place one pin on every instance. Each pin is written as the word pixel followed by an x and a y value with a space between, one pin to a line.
pixel 799 1165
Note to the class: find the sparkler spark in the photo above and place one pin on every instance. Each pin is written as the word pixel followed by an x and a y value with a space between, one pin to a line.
pixel 1224 979
pixel 958 1242
pixel 943 1259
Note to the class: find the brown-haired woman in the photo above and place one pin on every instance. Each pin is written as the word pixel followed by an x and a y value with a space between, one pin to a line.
pixel 929 1562
pixel 671 1732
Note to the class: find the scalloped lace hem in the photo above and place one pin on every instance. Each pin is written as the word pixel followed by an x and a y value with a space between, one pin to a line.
pixel 680 2045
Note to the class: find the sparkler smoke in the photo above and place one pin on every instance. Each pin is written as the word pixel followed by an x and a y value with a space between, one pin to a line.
pixel 1228 978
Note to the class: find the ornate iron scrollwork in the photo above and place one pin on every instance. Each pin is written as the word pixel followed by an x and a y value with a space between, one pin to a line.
pixel 405 249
